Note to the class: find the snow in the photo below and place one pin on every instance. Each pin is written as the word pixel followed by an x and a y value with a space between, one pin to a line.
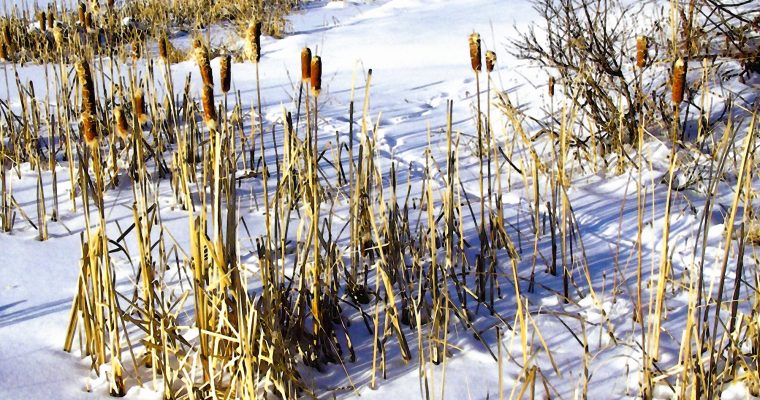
pixel 417 50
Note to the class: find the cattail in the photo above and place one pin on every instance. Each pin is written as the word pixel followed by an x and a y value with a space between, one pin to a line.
pixel 8 38
pixel 475 52
pixel 316 75
pixel 42 18
pixel 642 45
pixel 551 86
pixel 225 72
pixel 305 64
pixel 162 47
pixel 204 63
pixel 136 50
pixel 253 41
pixel 209 109
pixel 3 51
pixel 50 19
pixel 679 80
pixel 139 97
pixel 87 89
pixel 88 25
pixel 122 128
pixel 59 37
pixel 490 60
pixel 82 13
pixel 111 4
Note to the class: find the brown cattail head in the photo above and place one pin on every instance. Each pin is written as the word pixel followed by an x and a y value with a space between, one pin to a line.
pixel 475 52
pixel 111 4
pixel 253 41
pixel 162 47
pixel 136 50
pixel 316 75
pixel 8 37
pixel 642 45
pixel 42 18
pixel 679 81
pixel 139 98
pixel 551 86
pixel 122 127
pixel 88 25
pixel 305 64
pixel 204 63
pixel 225 72
pixel 87 88
pixel 209 109
pixel 3 51
pixel 82 13
pixel 50 19
pixel 490 60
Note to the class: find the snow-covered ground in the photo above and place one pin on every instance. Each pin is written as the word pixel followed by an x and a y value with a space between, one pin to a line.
pixel 417 50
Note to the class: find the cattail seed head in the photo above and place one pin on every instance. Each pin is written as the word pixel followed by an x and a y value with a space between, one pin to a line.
pixel 3 51
pixel 139 98
pixel 226 72
pixel 58 37
pixel 8 38
pixel 490 60
pixel 204 63
pixel 50 19
pixel 642 45
pixel 475 52
pixel 209 109
pixel 122 128
pixel 136 50
pixel 82 13
pixel 305 64
pixel 551 86
pixel 87 88
pixel 679 81
pixel 162 47
pixel 88 25
pixel 316 75
pixel 42 18
pixel 253 41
